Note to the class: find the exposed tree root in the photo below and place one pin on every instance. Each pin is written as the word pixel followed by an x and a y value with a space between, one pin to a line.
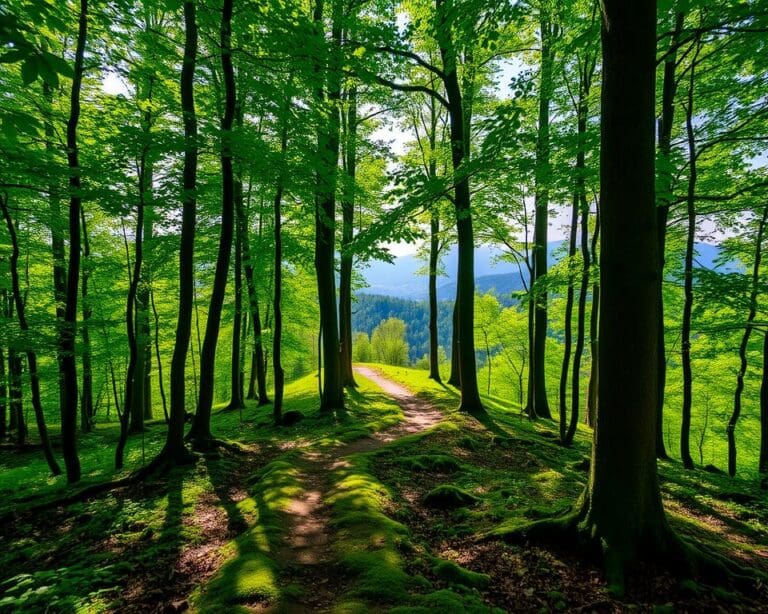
pixel 667 551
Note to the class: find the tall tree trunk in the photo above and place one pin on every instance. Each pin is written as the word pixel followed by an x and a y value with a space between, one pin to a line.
pixel 57 234
pixel 16 395
pixel 160 382
pixel 3 396
pixel 327 98
pixel 539 407
pixel 580 199
pixel 277 333
pixel 174 452
pixel 200 433
pixel 465 293
pixel 68 331
pixel 567 324
pixel 347 227
pixel 754 292
pixel 685 335
pixel 34 378
pixel 454 377
pixel 86 396
pixel 763 464
pixel 622 511
pixel 664 197
pixel 594 345
pixel 133 410
pixel 235 395
pixel 257 388
pixel 434 256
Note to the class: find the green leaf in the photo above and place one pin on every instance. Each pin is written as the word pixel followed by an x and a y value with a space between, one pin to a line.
pixel 48 73
pixel 14 55
pixel 57 64
pixel 29 70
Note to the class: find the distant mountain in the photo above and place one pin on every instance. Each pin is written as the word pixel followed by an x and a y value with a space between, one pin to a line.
pixel 406 276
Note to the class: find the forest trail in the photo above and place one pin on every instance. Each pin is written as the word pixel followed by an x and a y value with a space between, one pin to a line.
pixel 308 552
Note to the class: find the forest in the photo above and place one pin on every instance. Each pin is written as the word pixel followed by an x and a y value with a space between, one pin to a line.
pixel 207 402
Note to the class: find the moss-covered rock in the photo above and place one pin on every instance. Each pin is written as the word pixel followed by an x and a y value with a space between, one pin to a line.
pixel 448 497
pixel 453 573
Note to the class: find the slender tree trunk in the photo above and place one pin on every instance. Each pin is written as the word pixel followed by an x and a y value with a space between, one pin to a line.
pixel 434 256
pixel 580 201
pixel 540 405
pixel 133 410
pixel 235 397
pixel 664 197
pixel 200 433
pixel 567 342
pixel 685 335
pixel 57 234
pixel 465 294
pixel 454 378
pixel 160 382
pixel 17 397
pixel 34 378
pixel 86 397
pixel 594 345
pixel 68 331
pixel 347 227
pixel 257 388
pixel 277 334
pixel 3 396
pixel 328 98
pixel 763 465
pixel 754 293
pixel 174 452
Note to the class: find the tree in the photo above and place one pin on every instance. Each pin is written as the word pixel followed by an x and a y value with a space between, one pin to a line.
pixel 174 451
pixel 620 514
pixel 327 96
pixel 388 344
pixel 200 433
pixel 68 365
pixel 361 348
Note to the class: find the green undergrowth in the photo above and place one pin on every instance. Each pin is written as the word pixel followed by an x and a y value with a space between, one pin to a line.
pixel 501 472
pixel 83 560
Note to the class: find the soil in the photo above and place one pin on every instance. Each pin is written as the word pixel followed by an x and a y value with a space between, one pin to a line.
pixel 307 555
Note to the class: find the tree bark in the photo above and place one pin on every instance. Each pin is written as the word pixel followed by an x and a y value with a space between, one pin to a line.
pixel 594 345
pixel 763 464
pixel 158 357
pixel 539 406
pixel 86 397
pixel 34 378
pixel 434 256
pixel 277 334
pixel 200 433
pixel 235 395
pixel 465 293
pixel 586 71
pixel 685 334
pixel 664 173
pixel 754 293
pixel 454 378
pixel 174 452
pixel 622 503
pixel 57 235
pixel 68 331
pixel 327 68
pixel 347 228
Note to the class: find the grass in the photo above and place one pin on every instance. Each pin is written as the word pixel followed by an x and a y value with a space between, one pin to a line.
pixel 222 524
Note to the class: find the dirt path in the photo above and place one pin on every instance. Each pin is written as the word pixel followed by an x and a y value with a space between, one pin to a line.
pixel 307 554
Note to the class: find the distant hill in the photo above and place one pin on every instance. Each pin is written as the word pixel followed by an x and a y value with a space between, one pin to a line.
pixel 401 278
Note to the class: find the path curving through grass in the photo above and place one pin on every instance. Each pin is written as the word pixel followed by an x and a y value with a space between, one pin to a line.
pixel 308 555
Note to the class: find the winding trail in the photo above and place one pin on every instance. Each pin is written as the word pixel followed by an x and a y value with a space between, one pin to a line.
pixel 307 555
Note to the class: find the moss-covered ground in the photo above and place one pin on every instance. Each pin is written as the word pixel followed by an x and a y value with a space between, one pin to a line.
pixel 413 524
